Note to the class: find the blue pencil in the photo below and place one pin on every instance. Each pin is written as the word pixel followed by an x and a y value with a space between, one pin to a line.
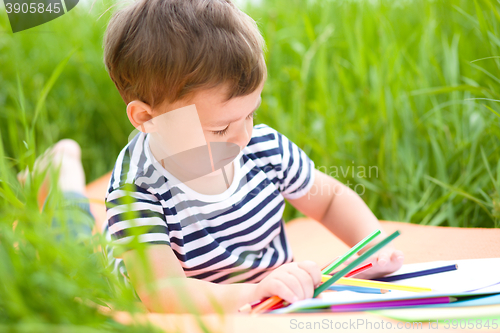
pixel 365 290
pixel 418 273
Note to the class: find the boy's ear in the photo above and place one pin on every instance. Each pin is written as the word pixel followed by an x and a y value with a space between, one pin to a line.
pixel 138 113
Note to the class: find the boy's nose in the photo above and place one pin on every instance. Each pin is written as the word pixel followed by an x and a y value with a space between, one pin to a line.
pixel 243 136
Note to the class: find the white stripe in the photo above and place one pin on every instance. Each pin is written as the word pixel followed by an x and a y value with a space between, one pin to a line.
pixel 133 207
pixel 143 238
pixel 117 194
pixel 134 159
pixel 139 222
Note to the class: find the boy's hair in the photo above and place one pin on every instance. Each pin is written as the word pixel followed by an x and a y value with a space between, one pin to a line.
pixel 164 50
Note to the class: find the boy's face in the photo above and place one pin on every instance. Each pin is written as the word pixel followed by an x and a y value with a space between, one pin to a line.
pixel 230 121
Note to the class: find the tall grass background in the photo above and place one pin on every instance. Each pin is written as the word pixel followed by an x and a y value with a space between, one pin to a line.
pixel 407 88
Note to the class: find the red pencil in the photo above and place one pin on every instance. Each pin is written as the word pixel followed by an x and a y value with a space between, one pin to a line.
pixel 358 270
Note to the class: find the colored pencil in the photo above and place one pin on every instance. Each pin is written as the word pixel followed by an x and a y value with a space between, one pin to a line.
pixel 249 306
pixel 356 262
pixel 366 290
pixel 375 284
pixel 277 306
pixel 268 303
pixel 392 304
pixel 417 273
pixel 359 270
pixel 361 244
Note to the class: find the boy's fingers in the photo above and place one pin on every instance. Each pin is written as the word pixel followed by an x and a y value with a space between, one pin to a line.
pixel 312 269
pixel 398 255
pixel 383 259
pixel 281 289
pixel 287 277
pixel 294 284
pixel 305 280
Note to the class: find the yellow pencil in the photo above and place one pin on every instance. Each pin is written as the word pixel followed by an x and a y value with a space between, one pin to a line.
pixel 375 284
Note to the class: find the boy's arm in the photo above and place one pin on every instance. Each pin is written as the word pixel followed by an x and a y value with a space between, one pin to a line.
pixel 345 214
pixel 172 292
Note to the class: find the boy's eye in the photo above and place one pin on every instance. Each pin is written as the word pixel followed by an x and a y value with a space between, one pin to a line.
pixel 221 132
pixel 251 115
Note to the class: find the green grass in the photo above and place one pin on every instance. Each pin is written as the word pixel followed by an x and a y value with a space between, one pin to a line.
pixel 397 87
pixel 354 83
pixel 408 87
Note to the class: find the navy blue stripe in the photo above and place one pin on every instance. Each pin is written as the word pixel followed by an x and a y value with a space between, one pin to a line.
pixel 211 262
pixel 306 181
pixel 255 276
pixel 283 244
pixel 260 139
pixel 204 276
pixel 234 274
pixel 141 230
pixel 128 247
pixel 280 146
pixel 265 153
pixel 297 174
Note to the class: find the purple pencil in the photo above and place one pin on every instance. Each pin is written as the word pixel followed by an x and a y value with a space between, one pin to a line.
pixel 392 304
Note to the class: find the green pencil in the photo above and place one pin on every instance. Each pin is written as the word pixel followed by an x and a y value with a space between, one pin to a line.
pixel 361 244
pixel 355 263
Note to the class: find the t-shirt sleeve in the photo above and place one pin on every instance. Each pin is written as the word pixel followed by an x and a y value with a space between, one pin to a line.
pixel 297 169
pixel 135 215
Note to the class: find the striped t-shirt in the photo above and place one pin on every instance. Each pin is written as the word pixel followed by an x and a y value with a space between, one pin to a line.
pixel 235 236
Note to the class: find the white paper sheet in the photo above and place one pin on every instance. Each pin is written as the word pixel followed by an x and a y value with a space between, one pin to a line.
pixel 473 277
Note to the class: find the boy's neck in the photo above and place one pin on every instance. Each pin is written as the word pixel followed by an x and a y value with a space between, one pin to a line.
pixel 210 184
pixel 214 182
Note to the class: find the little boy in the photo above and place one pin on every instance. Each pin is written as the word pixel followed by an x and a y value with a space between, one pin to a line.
pixel 191 73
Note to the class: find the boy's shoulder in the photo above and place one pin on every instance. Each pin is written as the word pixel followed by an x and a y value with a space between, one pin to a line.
pixel 131 164
pixel 267 146
pixel 263 138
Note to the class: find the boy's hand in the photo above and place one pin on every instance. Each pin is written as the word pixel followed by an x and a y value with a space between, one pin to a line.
pixel 386 261
pixel 291 282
